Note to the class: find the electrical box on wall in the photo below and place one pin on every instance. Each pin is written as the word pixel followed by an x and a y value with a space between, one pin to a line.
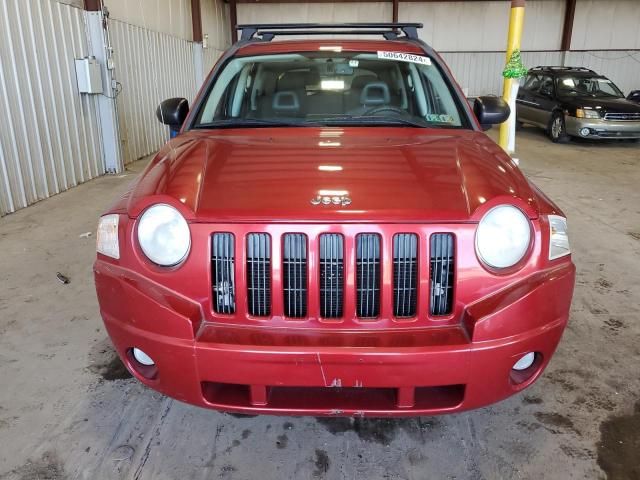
pixel 89 75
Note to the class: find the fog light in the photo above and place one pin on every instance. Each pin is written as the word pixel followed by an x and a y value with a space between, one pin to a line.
pixel 585 132
pixel 142 357
pixel 525 362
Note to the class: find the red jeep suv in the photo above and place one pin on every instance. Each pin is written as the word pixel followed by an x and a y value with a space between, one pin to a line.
pixel 330 232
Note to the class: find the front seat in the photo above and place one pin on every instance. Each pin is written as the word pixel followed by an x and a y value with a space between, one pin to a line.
pixel 286 104
pixel 374 94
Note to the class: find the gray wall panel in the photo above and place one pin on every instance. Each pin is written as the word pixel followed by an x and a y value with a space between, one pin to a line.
pixel 48 143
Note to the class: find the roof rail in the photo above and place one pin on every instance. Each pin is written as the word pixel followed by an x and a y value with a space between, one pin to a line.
pixel 562 69
pixel 388 30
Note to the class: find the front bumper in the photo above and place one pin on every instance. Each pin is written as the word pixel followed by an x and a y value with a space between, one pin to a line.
pixel 602 129
pixel 400 372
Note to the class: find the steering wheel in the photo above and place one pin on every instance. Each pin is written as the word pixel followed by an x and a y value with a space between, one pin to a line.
pixel 384 108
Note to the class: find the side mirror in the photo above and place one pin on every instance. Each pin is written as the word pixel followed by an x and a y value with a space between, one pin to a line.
pixel 173 112
pixel 491 111
pixel 634 96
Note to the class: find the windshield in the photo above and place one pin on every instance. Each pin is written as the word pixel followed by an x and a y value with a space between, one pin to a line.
pixel 586 86
pixel 330 88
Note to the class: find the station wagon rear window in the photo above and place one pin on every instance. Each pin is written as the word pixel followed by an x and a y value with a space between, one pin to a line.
pixel 330 88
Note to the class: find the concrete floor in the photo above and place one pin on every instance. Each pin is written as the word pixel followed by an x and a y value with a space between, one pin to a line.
pixel 68 410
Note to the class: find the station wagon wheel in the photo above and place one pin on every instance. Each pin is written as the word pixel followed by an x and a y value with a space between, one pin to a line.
pixel 557 130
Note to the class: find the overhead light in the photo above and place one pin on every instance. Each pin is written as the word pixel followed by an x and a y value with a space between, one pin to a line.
pixel 330 168
pixel 332 84
pixel 328 144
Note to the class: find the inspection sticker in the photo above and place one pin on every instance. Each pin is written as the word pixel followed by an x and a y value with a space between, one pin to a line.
pixel 404 57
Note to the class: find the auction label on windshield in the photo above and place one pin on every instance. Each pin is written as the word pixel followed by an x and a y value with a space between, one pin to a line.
pixel 404 57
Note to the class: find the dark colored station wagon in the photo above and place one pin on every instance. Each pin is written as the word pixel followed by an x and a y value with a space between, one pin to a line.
pixel 576 102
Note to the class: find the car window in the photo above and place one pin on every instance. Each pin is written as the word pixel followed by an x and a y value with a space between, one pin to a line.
pixel 330 88
pixel 532 83
pixel 546 86
pixel 585 85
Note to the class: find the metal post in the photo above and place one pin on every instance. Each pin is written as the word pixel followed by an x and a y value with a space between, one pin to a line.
pixel 99 47
pixel 233 20
pixel 516 24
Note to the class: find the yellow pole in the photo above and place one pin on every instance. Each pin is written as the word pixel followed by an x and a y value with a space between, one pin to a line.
pixel 516 23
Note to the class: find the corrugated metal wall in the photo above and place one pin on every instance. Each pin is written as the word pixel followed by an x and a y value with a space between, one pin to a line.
pixel 480 73
pixel 151 67
pixel 49 140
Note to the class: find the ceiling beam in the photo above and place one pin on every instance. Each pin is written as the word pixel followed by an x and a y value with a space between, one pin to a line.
pixel 92 5
pixel 567 29
pixel 233 20
pixel 196 20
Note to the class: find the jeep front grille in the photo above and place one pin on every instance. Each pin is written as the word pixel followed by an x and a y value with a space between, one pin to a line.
pixel 331 275
pixel 294 275
pixel 368 275
pixel 316 275
pixel 405 274
pixel 441 269
pixel 223 266
pixel 259 274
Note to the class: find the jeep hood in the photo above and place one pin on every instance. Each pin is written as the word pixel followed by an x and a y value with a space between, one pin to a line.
pixel 388 174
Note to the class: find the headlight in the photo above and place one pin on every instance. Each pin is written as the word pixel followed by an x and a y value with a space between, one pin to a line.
pixel 559 238
pixel 503 236
pixel 584 113
pixel 107 236
pixel 164 235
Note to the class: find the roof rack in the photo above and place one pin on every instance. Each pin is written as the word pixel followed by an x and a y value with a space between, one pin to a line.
pixel 389 31
pixel 563 69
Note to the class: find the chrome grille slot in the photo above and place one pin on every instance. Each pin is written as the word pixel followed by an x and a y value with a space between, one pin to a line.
pixel 331 275
pixel 625 117
pixel 368 275
pixel 259 274
pixel 294 275
pixel 441 271
pixel 222 270
pixel 405 274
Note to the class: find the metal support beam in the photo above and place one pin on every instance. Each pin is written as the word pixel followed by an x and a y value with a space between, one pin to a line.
pixel 394 18
pixel 233 19
pixel 99 47
pixel 196 20
pixel 567 31
pixel 93 5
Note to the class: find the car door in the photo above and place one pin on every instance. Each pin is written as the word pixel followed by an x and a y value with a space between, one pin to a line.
pixel 525 104
pixel 545 100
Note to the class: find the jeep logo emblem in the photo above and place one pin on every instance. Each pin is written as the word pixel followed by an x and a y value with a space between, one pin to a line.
pixel 341 200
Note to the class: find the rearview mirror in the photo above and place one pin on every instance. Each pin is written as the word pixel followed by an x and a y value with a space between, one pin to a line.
pixel 173 112
pixel 491 111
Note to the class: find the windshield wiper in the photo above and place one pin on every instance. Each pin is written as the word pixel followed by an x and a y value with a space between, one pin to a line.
pixel 249 122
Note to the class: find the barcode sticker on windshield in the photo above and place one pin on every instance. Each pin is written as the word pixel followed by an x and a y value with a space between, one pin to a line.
pixel 404 57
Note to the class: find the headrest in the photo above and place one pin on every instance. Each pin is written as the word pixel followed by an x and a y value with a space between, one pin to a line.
pixel 286 102
pixel 292 81
pixel 312 77
pixel 375 93
pixel 360 81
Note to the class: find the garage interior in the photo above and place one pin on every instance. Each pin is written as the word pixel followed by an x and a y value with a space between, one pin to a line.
pixel 69 409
